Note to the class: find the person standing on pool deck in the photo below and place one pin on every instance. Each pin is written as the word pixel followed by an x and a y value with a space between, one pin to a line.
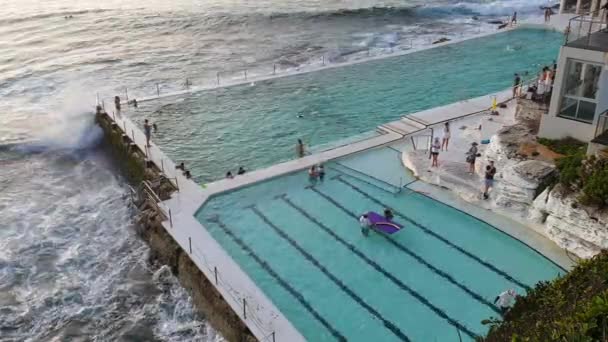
pixel 300 149
pixel 514 19
pixel 147 132
pixel 471 156
pixel 446 136
pixel 489 179
pixel 516 85
pixel 365 224
pixel 117 104
pixel 435 151
pixel 505 300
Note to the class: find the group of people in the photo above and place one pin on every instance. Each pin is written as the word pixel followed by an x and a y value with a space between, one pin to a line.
pixel 541 90
pixel 185 172
pixel 316 173
pixel 366 224
pixel 241 171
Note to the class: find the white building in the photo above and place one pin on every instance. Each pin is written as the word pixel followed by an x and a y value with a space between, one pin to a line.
pixel 579 104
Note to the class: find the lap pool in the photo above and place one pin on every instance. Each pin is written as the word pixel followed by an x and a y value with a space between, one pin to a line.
pixel 301 244
pixel 257 125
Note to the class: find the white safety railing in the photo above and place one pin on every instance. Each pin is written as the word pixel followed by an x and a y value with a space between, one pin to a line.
pixel 158 89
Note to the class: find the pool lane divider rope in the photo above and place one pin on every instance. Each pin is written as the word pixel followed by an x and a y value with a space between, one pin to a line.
pixel 388 324
pixel 439 237
pixel 282 282
pixel 393 278
pixel 411 253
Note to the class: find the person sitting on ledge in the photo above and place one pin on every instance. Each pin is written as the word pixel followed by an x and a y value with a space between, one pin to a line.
pixel 181 166
pixel 388 214
pixel 241 171
pixel 187 174
pixel 229 175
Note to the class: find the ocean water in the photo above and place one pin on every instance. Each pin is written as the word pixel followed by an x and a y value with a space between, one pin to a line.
pixel 71 267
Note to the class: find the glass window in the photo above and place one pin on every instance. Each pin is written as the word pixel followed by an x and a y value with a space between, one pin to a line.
pixel 580 90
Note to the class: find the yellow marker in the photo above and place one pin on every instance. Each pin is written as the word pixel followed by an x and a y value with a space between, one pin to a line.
pixel 494 104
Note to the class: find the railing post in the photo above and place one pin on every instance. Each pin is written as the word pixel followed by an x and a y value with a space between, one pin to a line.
pixel 162 165
pixel 190 244
pixel 127 94
pixel 244 308
pixel 218 78
pixel 157 90
pixel 323 59
pixel 133 135
pixel 103 104
pixel 176 184
pixel 170 219
pixel 114 116
pixel 273 340
pixel 187 84
pixel 274 69
pixel 215 273
pixel 124 124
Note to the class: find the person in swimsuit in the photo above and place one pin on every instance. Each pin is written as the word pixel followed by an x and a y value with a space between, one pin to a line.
pixel 435 152
pixel 241 171
pixel 365 224
pixel 489 179
pixel 446 136
pixel 388 214
pixel 229 175
pixel 313 174
pixel 147 132
pixel 300 149
pixel 321 173
pixel 471 157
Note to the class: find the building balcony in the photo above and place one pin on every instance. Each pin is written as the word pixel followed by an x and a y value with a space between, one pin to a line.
pixel 587 32
pixel 601 131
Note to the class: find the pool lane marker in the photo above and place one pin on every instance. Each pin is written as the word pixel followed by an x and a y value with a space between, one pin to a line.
pixel 439 237
pixel 284 284
pixel 393 278
pixel 388 324
pixel 495 228
pixel 402 248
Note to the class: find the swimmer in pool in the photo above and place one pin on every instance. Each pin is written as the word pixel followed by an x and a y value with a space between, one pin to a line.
pixel 365 224
pixel 388 214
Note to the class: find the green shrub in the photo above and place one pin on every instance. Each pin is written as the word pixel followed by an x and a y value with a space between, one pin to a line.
pixel 569 168
pixel 569 308
pixel 567 146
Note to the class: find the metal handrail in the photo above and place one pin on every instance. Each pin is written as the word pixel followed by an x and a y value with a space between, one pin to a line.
pixel 591 19
pixel 602 124
pixel 237 297
pixel 245 74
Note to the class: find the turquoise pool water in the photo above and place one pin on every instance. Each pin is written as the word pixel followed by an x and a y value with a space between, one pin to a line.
pixel 303 247
pixel 257 125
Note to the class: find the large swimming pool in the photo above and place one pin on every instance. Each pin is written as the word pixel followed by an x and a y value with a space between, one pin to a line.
pixel 257 125
pixel 435 279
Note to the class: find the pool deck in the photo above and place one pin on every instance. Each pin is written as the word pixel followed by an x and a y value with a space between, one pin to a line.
pixel 263 318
